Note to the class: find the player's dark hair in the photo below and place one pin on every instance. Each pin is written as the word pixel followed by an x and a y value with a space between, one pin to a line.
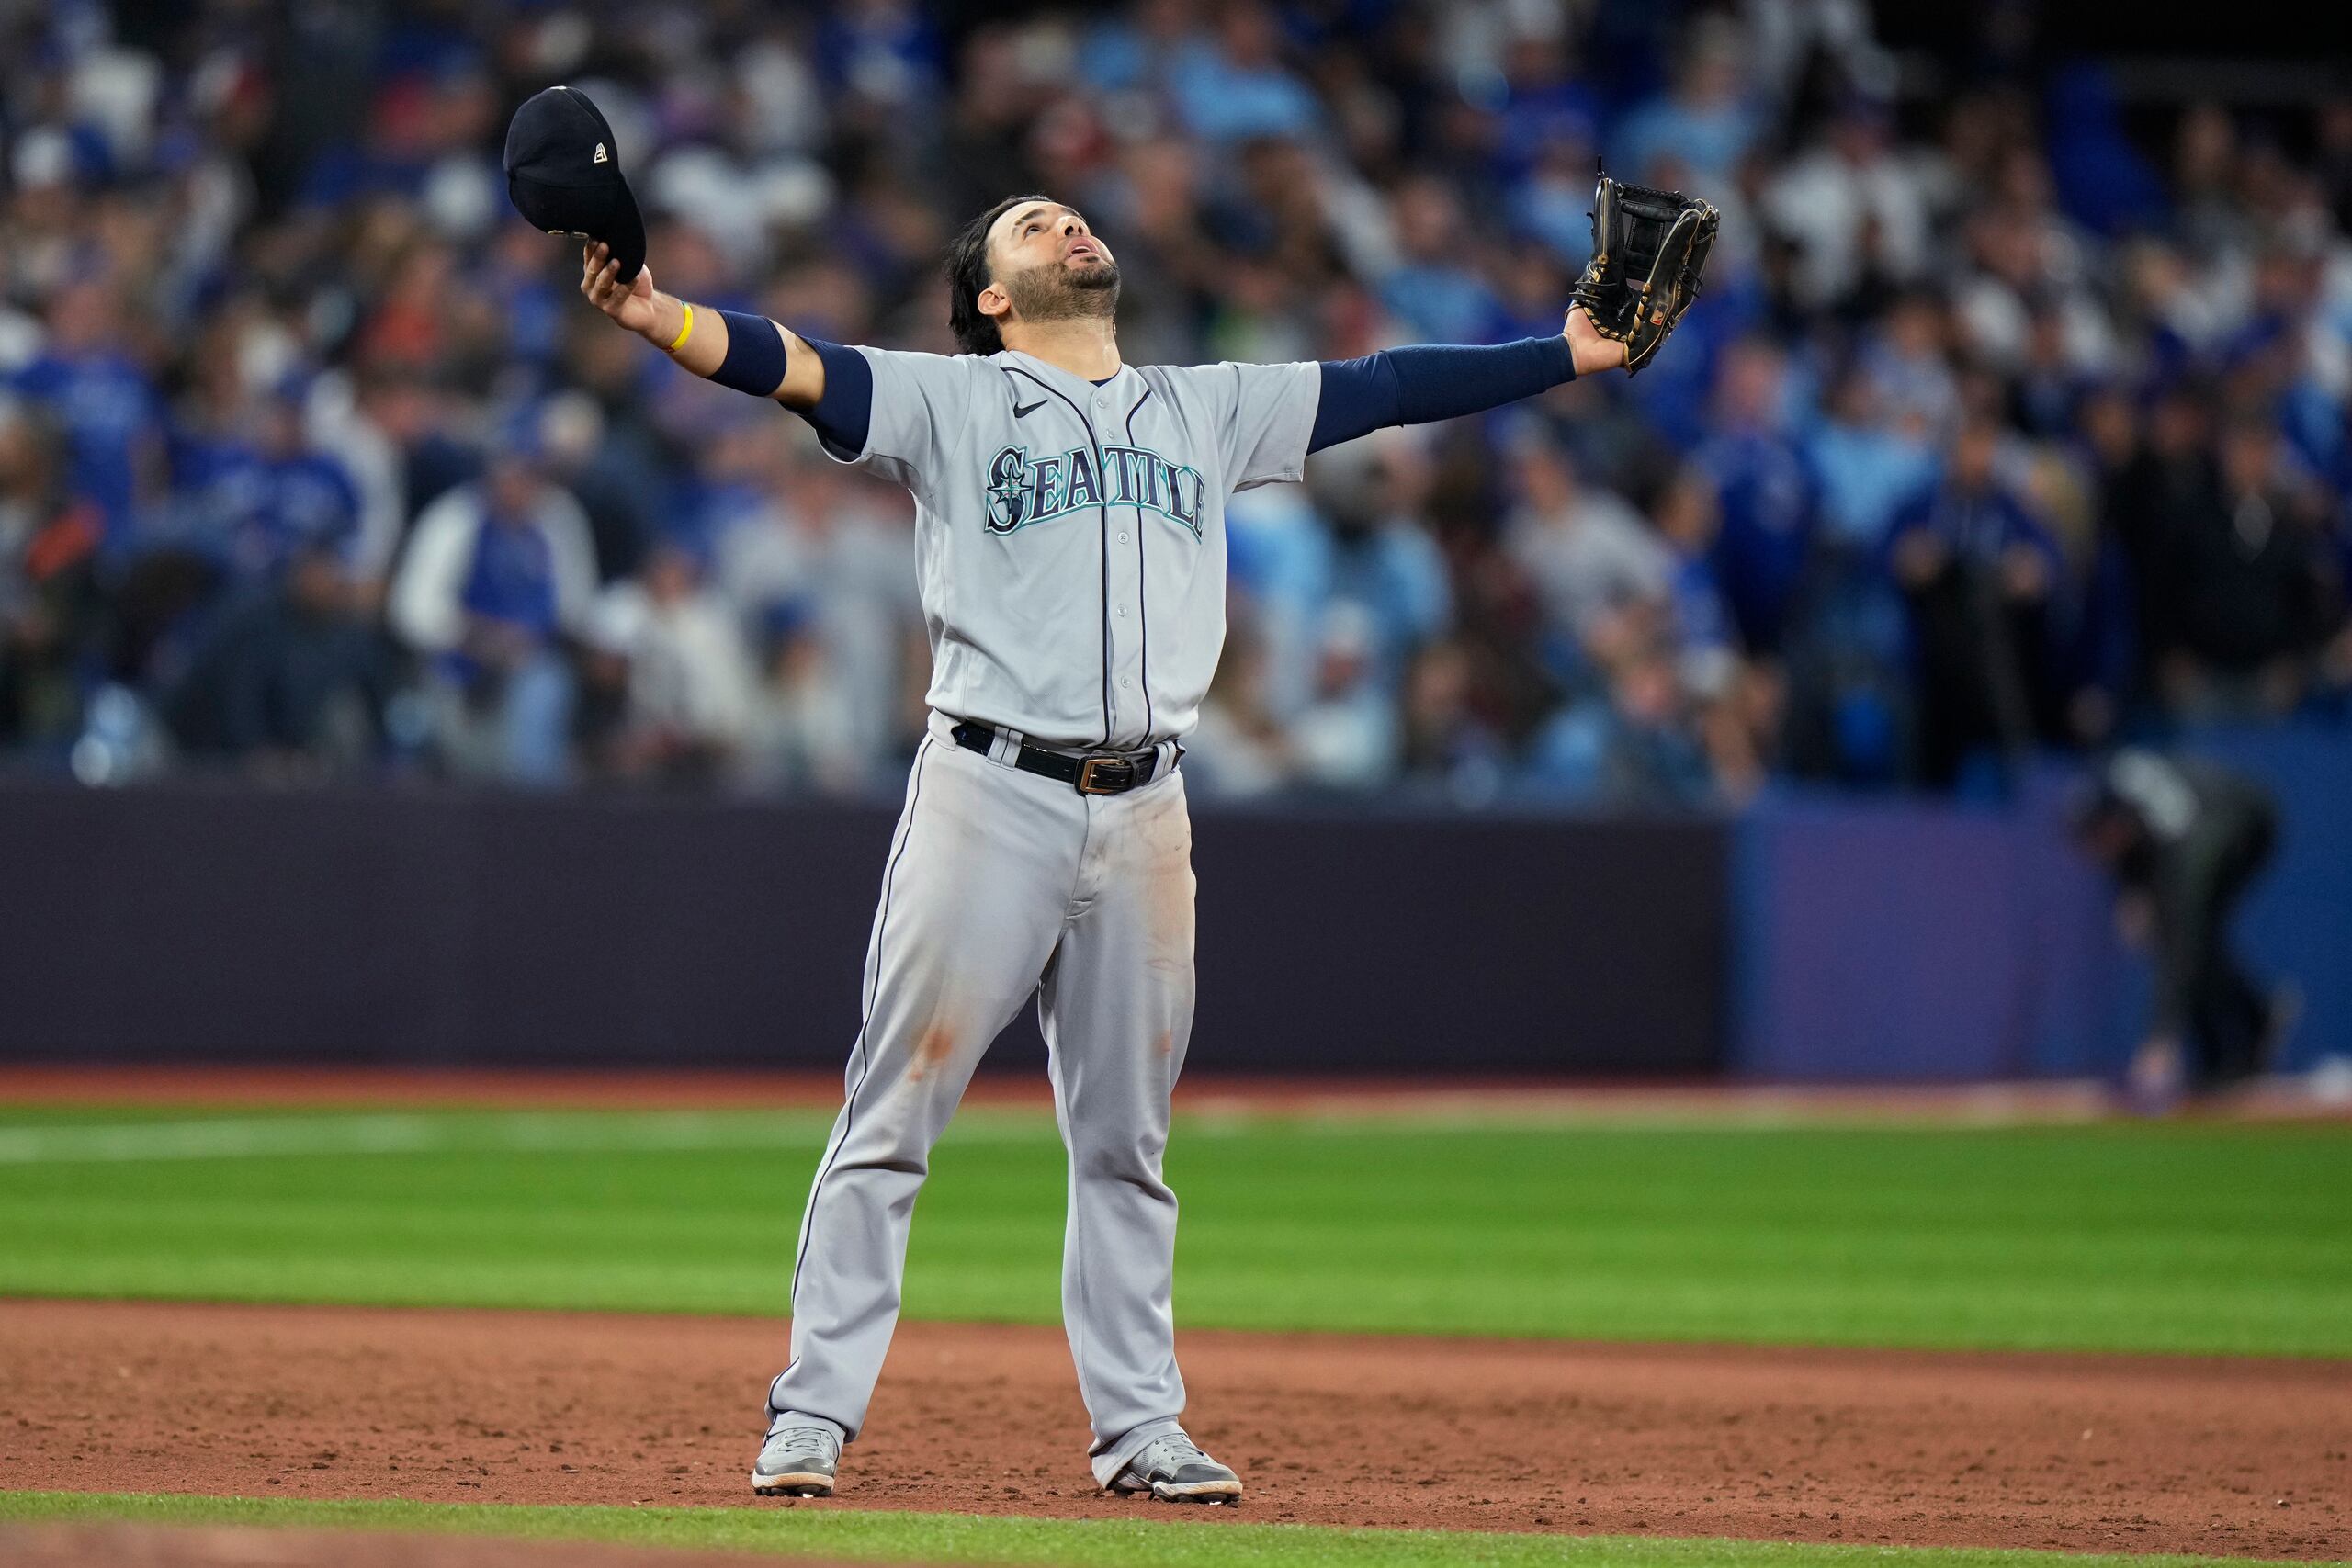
pixel 967 276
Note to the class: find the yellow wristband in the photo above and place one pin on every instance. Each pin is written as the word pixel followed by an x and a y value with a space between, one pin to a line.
pixel 685 331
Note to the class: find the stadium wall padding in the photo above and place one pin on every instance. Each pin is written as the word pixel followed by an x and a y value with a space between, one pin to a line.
pixel 1912 940
pixel 200 923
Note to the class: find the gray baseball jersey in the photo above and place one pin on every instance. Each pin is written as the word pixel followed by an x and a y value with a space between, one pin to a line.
pixel 1072 536
pixel 1072 547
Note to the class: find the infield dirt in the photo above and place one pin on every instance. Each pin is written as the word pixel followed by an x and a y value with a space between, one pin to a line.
pixel 2141 1454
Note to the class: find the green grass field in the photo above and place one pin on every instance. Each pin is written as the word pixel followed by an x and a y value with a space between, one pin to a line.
pixel 2123 1238
pixel 1038 1543
pixel 2234 1240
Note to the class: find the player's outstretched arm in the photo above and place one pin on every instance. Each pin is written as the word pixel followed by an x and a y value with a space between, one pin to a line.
pixel 722 346
pixel 1433 381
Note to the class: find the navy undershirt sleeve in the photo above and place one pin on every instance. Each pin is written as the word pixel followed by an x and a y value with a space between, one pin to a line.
pixel 755 356
pixel 845 413
pixel 1433 381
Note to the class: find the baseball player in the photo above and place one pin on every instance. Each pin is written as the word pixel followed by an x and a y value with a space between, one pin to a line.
pixel 1071 520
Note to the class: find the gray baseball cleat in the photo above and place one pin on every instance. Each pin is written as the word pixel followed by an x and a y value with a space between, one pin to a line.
pixel 797 1459
pixel 1172 1468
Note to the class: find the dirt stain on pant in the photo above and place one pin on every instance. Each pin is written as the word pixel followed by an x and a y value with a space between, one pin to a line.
pixel 1166 868
pixel 934 1047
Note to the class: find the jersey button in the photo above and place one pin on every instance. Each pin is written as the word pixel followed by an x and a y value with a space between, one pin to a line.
pixel 1125 684
pixel 1123 612
pixel 1122 539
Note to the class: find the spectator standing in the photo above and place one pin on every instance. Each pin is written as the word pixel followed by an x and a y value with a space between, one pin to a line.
pixel 50 601
pixel 293 681
pixel 1729 707
pixel 1349 736
pixel 498 578
pixel 106 401
pixel 690 686
pixel 1850 187
pixel 1241 747
pixel 1706 124
pixel 1232 84
pixel 804 734
pixel 1629 745
pixel 2252 584
pixel 1588 552
pixel 1978 574
pixel 274 496
pixel 1380 557
pixel 1766 492
pixel 820 569
pixel 1437 291
pixel 1867 467
pixel 1448 744
pixel 1908 366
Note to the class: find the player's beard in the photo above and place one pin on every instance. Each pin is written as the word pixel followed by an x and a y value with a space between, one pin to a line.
pixel 1056 292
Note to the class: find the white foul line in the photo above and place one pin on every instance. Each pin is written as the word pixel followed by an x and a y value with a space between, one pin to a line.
pixel 405 1134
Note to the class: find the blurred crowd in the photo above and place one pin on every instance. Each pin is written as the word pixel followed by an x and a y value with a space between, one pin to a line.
pixel 2010 420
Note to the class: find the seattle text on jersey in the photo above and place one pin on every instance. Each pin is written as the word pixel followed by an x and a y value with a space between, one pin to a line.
pixel 1022 492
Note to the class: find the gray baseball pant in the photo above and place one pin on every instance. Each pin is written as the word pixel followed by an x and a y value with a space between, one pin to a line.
pixel 1001 882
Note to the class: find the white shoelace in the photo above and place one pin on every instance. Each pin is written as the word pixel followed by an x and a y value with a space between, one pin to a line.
pixel 825 1442
pixel 1168 1450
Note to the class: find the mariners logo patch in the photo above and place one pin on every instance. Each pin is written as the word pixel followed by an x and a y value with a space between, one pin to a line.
pixel 1021 492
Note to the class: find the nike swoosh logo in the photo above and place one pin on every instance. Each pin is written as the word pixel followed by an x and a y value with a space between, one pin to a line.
pixel 1021 410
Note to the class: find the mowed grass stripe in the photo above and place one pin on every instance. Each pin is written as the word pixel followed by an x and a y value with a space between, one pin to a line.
pixel 259 1137
pixel 2221 1239
pixel 958 1539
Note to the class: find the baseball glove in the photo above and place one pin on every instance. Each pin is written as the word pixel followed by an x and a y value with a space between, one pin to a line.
pixel 1649 248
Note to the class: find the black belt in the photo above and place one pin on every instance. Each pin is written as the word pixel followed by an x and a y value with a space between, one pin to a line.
pixel 1110 772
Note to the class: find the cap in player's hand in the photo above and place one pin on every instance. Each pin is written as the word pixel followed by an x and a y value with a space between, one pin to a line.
pixel 564 171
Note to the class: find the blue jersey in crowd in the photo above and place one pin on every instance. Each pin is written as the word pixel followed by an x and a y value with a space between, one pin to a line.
pixel 107 406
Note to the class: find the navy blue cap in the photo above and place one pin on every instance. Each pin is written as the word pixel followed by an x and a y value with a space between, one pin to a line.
pixel 564 171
